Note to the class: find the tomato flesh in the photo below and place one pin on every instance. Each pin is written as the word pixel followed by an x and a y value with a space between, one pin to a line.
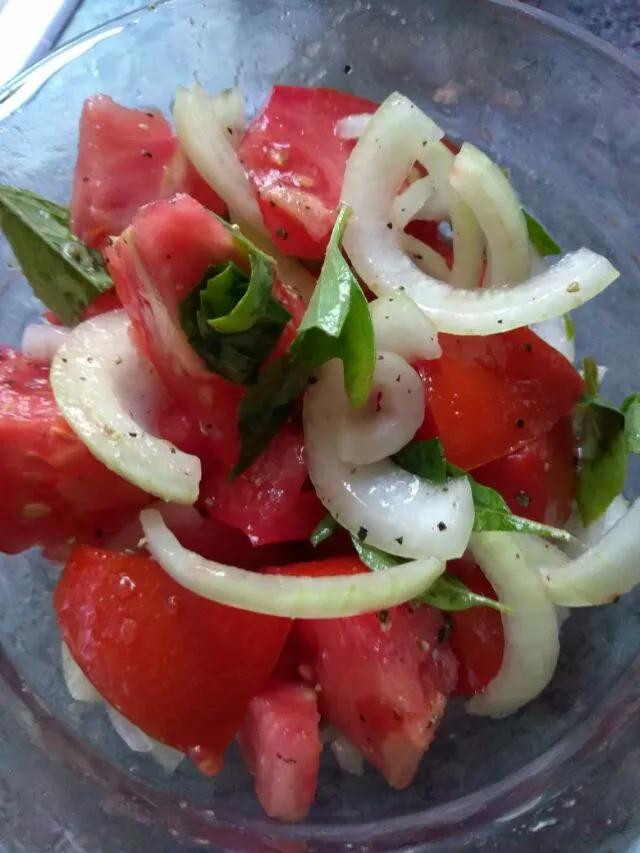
pixel 296 162
pixel 53 489
pixel 488 396
pixel 280 741
pixel 180 667
pixel 477 636
pixel 539 480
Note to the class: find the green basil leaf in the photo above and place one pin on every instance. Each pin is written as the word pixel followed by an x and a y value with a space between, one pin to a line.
pixel 591 381
pixel 601 477
pixel 324 530
pixel 631 411
pixel 569 327
pixel 540 238
pixel 63 273
pixel 447 593
pixel 232 320
pixel 426 459
pixel 337 324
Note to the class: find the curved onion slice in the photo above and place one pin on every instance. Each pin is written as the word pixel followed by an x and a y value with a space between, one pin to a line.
pixel 424 257
pixel 393 510
pixel 229 108
pixel 554 333
pixel 390 419
pixel 401 327
pixel 78 685
pixel 588 536
pixel 91 374
pixel 293 597
pixel 410 201
pixel 384 155
pixel 487 191
pixel 605 571
pixel 347 755
pixel 352 127
pixel 530 628
pixel 207 145
pixel 40 343
pixel 468 239
pixel 138 741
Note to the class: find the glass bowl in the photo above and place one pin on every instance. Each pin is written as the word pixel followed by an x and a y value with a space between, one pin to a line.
pixel 561 110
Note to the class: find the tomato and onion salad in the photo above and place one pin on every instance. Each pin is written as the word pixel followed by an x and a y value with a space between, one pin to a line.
pixel 294 438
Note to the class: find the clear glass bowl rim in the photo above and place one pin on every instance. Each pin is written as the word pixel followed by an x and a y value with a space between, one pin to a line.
pixel 500 803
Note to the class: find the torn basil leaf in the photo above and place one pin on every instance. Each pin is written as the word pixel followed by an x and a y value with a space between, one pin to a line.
pixel 337 324
pixel 540 238
pixel 426 459
pixel 232 320
pixel 63 272
pixel 324 530
pixel 607 434
pixel 569 327
pixel 446 593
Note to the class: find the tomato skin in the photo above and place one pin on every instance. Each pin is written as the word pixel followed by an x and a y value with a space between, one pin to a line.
pixel 296 163
pixel 539 480
pixel 53 489
pixel 477 636
pixel 489 395
pixel 180 667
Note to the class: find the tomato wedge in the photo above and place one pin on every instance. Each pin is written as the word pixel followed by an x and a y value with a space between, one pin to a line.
pixel 296 163
pixel 539 480
pixel 477 637
pixel 53 490
pixel 487 396
pixel 180 667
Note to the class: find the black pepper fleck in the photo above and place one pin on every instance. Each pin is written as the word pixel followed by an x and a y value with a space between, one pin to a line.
pixel 520 423
pixel 282 233
pixel 400 540
pixel 389 225
pixel 147 154
pixel 348 68
pixel 362 534
pixel 383 616
pixel 441 526
pixel 527 347
pixel 523 498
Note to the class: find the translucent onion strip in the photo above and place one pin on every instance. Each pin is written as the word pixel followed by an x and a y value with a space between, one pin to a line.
pixel 588 536
pixel 530 628
pixel 229 107
pixel 390 419
pixel 410 201
pixel 391 143
pixel 352 127
pixel 424 257
pixel 40 342
pixel 605 571
pixel 401 327
pixel 79 687
pixel 389 508
pixel 99 379
pixel 487 191
pixel 138 741
pixel 208 146
pixel 293 597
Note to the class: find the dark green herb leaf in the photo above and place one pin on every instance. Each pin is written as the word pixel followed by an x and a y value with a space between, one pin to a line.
pixel 631 410
pixel 63 273
pixel 539 238
pixel 426 459
pixel 569 327
pixel 447 593
pixel 232 320
pixel 337 324
pixel 324 530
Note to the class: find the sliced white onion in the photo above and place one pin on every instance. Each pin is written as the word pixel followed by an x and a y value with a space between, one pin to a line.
pixel 78 685
pixel 292 597
pixel 208 146
pixel 131 538
pixel 424 257
pixel 606 570
pixel 393 510
pixel 351 127
pixel 138 741
pixel 588 536
pixel 407 204
pixel 489 194
pixel 401 327
pixel 390 419
pixel 98 379
pixel 385 153
pixel 468 239
pixel 229 108
pixel 530 628
pixel 554 333
pixel 348 756
pixel 40 343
